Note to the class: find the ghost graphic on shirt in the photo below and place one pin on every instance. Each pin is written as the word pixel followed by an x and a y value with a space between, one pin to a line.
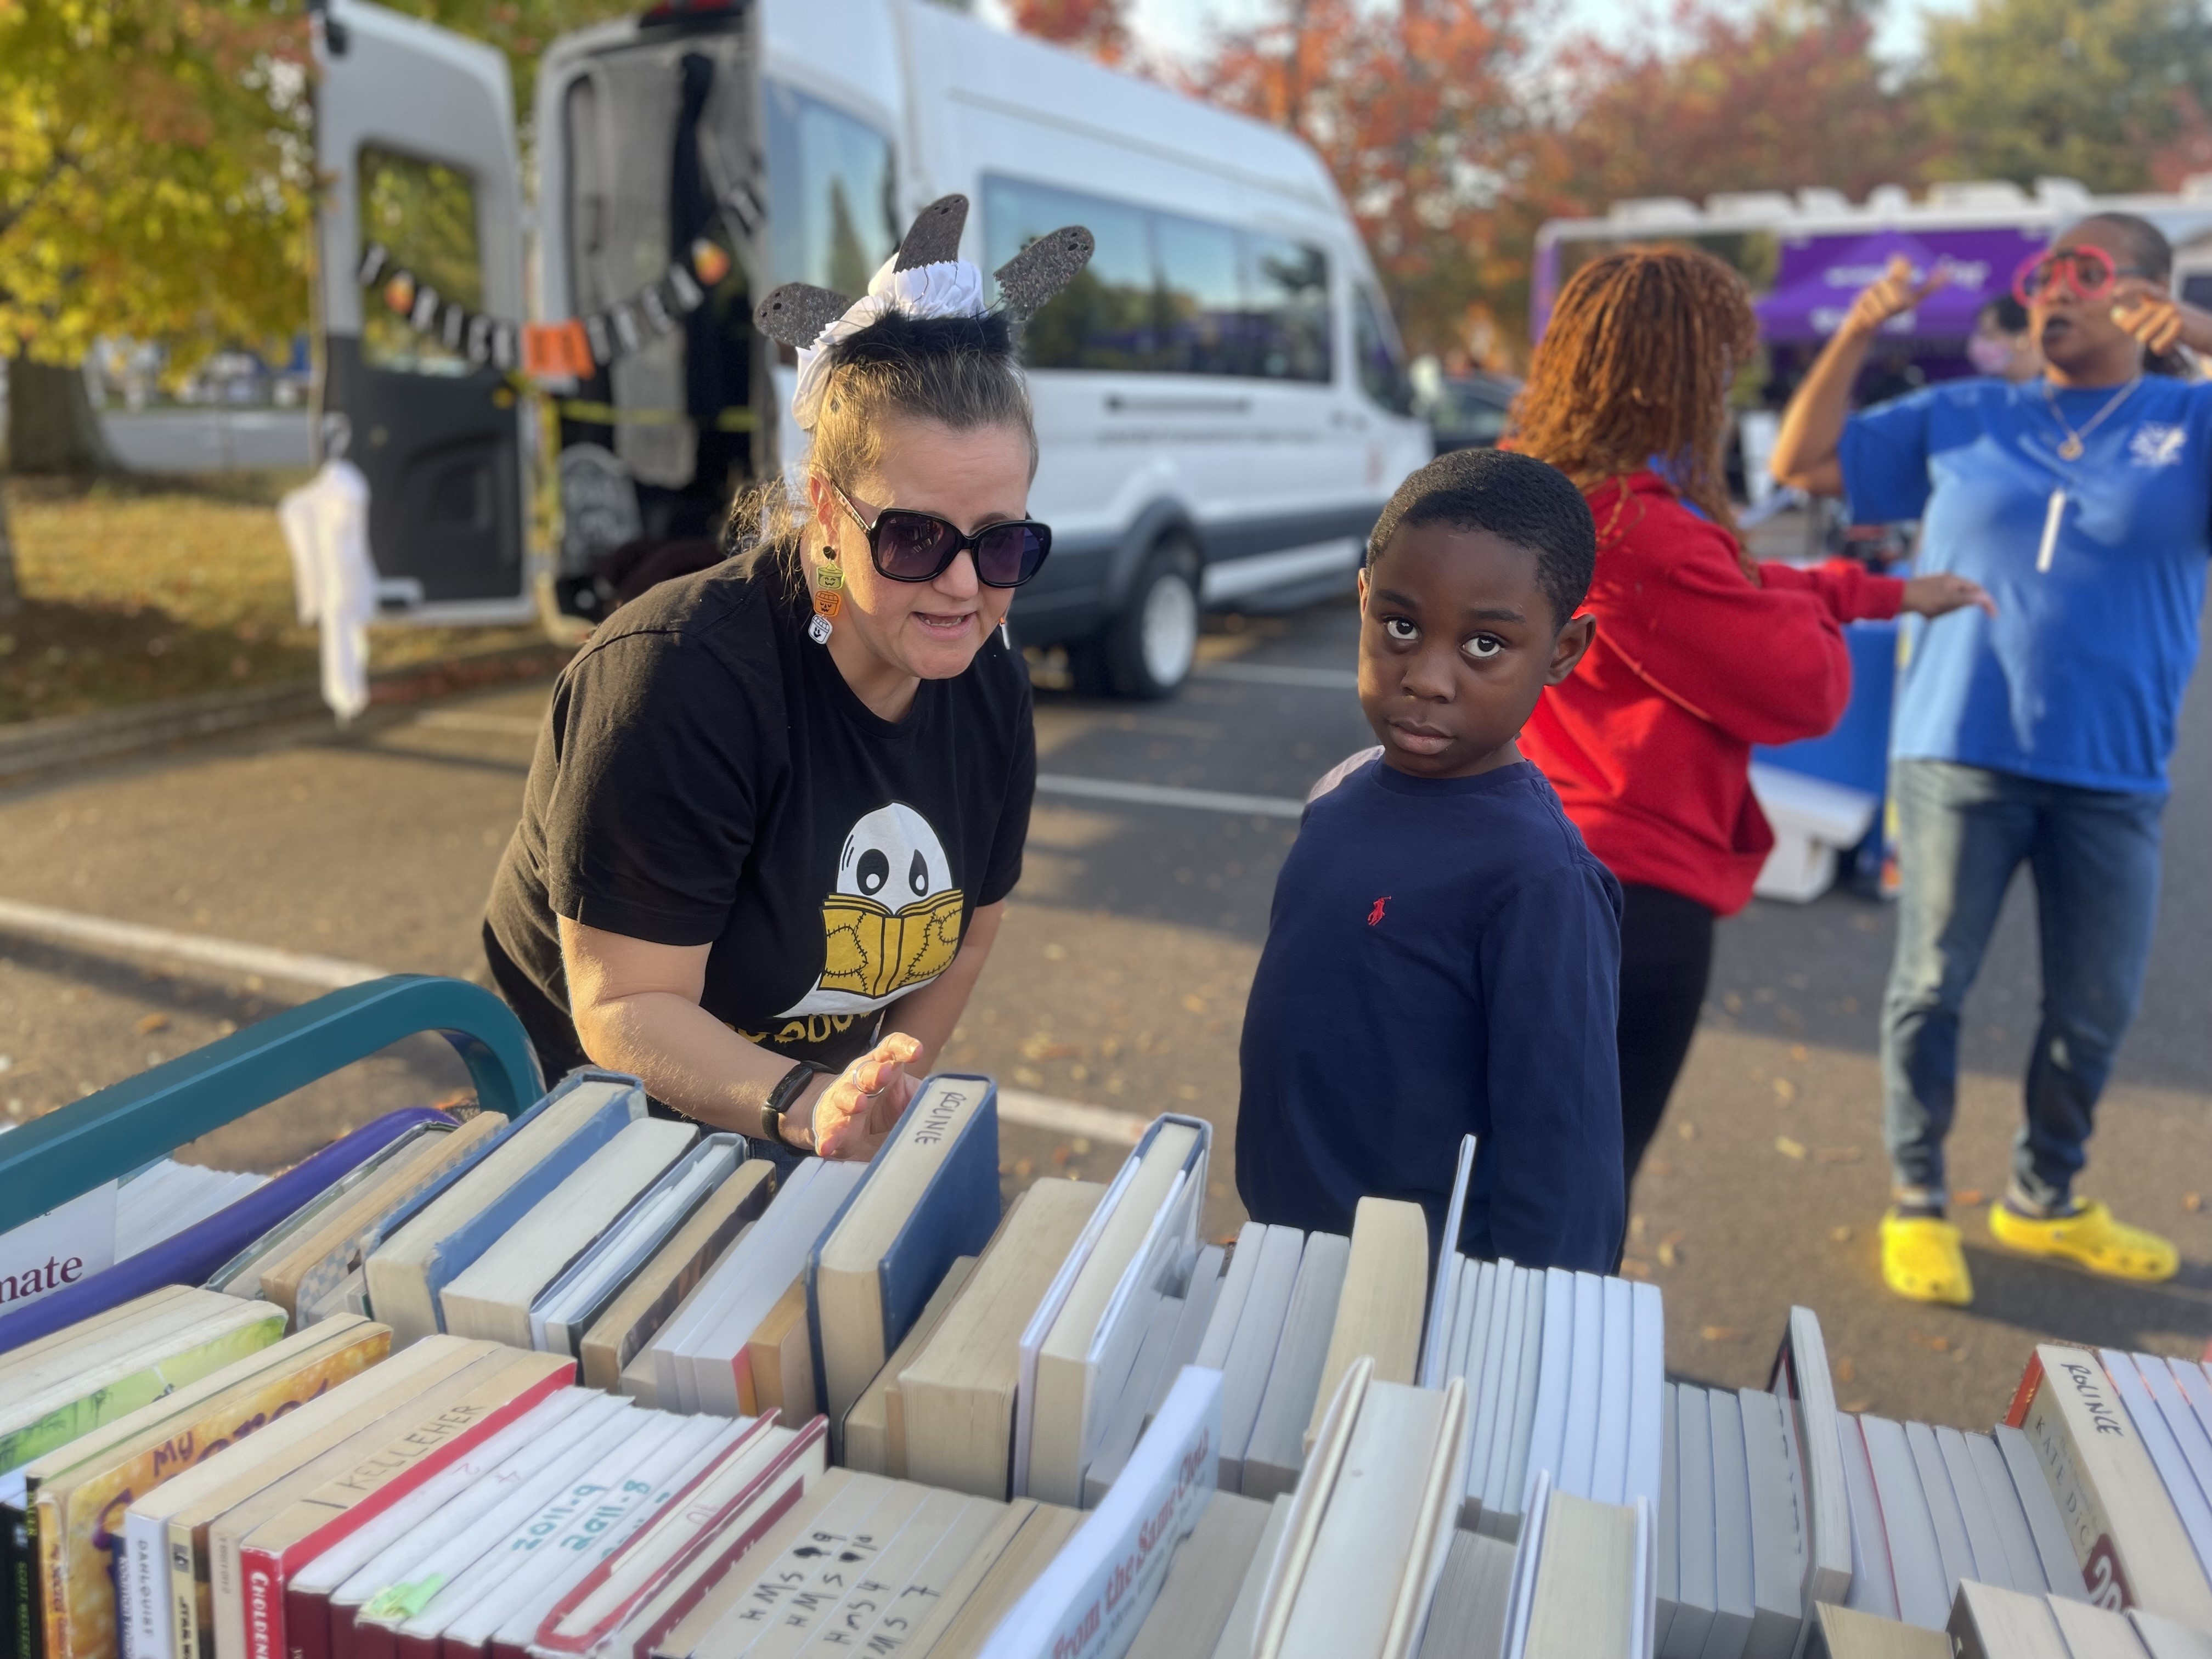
pixel 892 920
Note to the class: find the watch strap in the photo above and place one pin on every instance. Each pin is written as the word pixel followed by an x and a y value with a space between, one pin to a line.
pixel 787 1088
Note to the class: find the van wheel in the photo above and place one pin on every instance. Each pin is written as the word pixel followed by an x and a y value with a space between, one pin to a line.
pixel 1146 651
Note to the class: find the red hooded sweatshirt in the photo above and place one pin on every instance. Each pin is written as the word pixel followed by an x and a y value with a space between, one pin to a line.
pixel 1648 741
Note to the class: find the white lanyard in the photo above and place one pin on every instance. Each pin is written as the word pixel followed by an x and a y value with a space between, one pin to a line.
pixel 2071 450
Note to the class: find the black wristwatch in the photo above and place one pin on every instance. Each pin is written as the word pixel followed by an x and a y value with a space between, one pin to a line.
pixel 788 1088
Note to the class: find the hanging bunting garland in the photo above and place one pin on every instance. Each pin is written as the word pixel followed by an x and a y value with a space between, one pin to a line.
pixel 577 347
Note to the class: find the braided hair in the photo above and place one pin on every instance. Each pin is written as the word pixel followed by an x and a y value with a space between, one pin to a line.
pixel 1633 372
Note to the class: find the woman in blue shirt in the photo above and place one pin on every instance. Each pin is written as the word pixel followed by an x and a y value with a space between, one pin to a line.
pixel 2038 732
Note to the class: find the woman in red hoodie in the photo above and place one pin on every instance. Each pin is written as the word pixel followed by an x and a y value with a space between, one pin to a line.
pixel 1700 652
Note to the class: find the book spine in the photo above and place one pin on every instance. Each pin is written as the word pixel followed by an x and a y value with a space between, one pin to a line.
pixel 144 1564
pixel 306 1624
pixel 183 1594
pixel 372 1638
pixel 17 1593
pixel 2088 1530
pixel 414 1647
pixel 344 1626
pixel 453 1648
pixel 38 1574
pixel 261 1590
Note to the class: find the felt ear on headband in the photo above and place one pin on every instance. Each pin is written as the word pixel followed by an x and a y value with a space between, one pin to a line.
pixel 796 314
pixel 934 235
pixel 1030 279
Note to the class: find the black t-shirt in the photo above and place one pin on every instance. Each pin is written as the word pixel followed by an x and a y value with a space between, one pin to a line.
pixel 705 776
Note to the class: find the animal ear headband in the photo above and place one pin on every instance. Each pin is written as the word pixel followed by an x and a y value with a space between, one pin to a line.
pixel 927 277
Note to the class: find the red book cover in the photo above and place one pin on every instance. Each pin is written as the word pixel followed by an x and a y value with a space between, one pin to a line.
pixel 452 1649
pixel 703 1523
pixel 344 1615
pixel 306 1624
pixel 265 1570
pixel 726 1558
pixel 417 1647
pixel 374 1639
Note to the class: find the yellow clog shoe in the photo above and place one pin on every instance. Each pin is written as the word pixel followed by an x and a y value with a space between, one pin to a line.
pixel 1921 1260
pixel 2091 1237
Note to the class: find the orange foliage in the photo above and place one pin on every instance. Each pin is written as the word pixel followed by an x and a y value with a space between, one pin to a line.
pixel 1414 110
pixel 1099 27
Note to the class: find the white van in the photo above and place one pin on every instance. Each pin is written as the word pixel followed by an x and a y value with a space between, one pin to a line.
pixel 1220 398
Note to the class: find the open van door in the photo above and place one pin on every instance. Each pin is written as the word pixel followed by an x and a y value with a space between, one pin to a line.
pixel 419 289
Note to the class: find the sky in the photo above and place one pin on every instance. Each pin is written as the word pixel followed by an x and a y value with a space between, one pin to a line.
pixel 1180 27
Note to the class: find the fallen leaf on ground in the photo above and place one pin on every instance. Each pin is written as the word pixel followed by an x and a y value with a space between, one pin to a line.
pixel 1789 1148
pixel 1933 1344
pixel 154 1022
pixel 1061 1155
pixel 1688 1131
pixel 1784 1090
pixel 1838 1155
pixel 1632 1268
pixel 1024 1169
pixel 1720 1334
pixel 1193 1004
pixel 1969 1195
pixel 1845 1371
pixel 1669 1256
pixel 2191 1202
pixel 1055 953
pixel 1855 1406
pixel 1658 1166
pixel 1839 1235
pixel 1799 1051
pixel 1636 1228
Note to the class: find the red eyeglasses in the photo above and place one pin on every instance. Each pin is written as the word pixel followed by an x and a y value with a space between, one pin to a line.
pixel 2085 271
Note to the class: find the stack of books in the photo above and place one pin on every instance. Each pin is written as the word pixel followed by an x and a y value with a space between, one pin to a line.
pixel 864 1410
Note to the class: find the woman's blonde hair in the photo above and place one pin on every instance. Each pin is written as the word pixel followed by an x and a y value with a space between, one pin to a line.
pixel 959 371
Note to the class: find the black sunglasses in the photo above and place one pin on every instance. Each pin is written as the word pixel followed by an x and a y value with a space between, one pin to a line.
pixel 912 546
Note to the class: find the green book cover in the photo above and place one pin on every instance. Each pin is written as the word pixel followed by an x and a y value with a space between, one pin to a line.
pixel 127 1393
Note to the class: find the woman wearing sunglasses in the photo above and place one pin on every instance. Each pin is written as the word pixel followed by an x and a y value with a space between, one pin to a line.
pixel 2038 733
pixel 777 807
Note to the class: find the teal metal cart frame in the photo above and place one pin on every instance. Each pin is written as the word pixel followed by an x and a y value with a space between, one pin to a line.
pixel 68 1152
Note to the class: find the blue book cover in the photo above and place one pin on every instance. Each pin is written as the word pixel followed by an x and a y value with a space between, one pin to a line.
pixel 955 1216
pixel 453 1254
pixel 436 1190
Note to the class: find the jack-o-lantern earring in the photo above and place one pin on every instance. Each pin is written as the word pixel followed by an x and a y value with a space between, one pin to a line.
pixel 829 597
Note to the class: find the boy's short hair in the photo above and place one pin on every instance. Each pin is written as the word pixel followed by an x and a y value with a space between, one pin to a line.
pixel 1516 498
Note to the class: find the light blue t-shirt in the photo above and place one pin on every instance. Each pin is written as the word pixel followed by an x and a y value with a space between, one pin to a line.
pixel 2078 679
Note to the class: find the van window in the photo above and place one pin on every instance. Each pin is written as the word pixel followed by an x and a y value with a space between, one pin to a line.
pixel 1290 309
pixel 1167 293
pixel 833 211
pixel 1382 369
pixel 424 214
pixel 1204 329
pixel 1106 318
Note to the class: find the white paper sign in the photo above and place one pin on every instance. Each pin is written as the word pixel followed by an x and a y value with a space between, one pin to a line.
pixel 59 1249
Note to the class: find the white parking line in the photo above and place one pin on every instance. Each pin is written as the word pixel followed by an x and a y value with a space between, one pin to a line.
pixel 326 973
pixel 463 720
pixel 1154 794
pixel 1269 673
pixel 1066 1117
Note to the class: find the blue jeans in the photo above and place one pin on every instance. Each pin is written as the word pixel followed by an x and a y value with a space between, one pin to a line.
pixel 1962 831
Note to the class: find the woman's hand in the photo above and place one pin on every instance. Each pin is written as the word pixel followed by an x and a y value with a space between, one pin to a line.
pixel 1892 295
pixel 852 1114
pixel 1933 596
pixel 2158 319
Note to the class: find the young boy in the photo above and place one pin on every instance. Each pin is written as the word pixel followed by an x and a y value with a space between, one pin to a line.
pixel 1443 956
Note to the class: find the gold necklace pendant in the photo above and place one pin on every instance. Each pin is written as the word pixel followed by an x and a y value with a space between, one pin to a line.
pixel 2070 449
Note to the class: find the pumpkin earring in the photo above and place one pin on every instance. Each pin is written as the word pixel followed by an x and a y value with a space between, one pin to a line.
pixel 829 597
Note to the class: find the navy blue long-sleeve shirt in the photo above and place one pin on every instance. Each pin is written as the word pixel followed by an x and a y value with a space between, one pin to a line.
pixel 1442 958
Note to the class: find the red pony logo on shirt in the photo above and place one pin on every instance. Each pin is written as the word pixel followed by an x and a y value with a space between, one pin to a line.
pixel 1375 915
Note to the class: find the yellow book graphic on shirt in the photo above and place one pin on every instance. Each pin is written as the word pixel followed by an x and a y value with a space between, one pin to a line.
pixel 874 951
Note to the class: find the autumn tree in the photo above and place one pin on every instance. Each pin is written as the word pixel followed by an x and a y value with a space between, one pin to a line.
pixel 2114 93
pixel 1414 108
pixel 1099 28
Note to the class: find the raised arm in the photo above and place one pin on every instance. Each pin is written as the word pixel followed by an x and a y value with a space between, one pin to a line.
pixel 1813 426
